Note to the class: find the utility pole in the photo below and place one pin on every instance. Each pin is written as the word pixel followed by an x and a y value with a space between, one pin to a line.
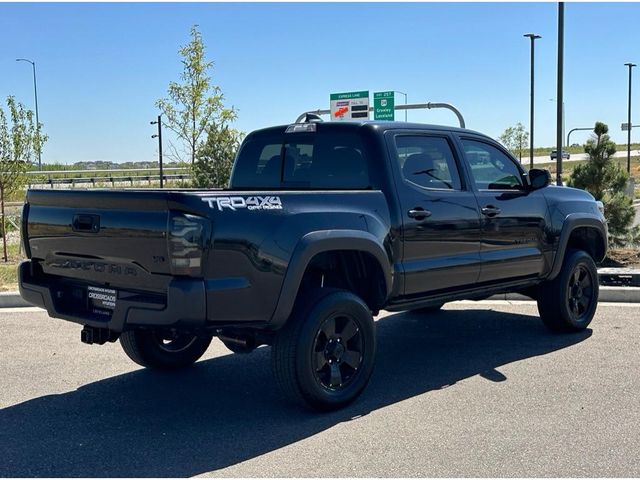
pixel 533 38
pixel 560 98
pixel 159 137
pixel 35 92
pixel 630 65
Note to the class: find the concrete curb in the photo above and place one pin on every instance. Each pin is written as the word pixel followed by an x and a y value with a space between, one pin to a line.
pixel 12 300
pixel 607 294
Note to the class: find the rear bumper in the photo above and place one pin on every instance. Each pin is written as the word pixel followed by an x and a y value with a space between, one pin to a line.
pixel 184 304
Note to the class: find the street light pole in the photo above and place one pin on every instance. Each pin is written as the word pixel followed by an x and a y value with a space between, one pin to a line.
pixel 559 96
pixel 533 38
pixel 159 137
pixel 35 92
pixel 405 102
pixel 563 120
pixel 575 130
pixel 630 65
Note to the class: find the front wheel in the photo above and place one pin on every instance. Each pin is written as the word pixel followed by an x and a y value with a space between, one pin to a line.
pixel 323 357
pixel 163 350
pixel 568 302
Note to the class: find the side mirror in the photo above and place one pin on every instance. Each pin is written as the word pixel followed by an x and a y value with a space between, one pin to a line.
pixel 539 178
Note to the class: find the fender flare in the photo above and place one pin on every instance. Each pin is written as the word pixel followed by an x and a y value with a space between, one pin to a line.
pixel 572 222
pixel 317 242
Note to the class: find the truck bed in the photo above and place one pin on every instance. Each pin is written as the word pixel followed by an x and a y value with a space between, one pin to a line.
pixel 127 241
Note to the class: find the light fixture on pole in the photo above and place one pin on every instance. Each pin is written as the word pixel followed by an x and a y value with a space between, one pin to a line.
pixel 630 65
pixel 35 92
pixel 560 93
pixel 533 38
pixel 159 137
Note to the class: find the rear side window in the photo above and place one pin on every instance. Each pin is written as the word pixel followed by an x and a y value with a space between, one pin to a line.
pixel 302 161
pixel 427 162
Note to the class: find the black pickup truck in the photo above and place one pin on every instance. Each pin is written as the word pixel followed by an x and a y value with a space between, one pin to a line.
pixel 322 226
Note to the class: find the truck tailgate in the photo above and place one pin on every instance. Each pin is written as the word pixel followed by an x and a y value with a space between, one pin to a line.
pixel 107 237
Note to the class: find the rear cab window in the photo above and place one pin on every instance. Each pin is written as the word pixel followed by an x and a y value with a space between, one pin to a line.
pixel 427 161
pixel 302 160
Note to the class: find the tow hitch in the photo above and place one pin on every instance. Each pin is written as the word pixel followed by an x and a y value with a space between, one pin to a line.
pixel 91 335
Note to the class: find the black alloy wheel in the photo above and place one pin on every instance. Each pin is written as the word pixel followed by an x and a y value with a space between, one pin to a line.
pixel 324 355
pixel 337 352
pixel 580 292
pixel 568 303
pixel 163 349
pixel 172 342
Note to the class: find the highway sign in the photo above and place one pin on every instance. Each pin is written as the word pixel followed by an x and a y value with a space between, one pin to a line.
pixel 384 106
pixel 350 105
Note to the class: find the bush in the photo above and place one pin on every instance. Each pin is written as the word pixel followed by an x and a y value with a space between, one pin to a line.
pixel 605 180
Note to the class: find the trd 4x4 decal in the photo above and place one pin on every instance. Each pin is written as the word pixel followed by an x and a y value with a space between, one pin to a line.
pixel 250 203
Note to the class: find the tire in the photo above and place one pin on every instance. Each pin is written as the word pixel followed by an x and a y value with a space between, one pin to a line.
pixel 324 356
pixel 162 351
pixel 568 302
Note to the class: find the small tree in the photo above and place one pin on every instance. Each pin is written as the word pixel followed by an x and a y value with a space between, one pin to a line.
pixel 195 103
pixel 214 159
pixel 515 139
pixel 17 142
pixel 605 180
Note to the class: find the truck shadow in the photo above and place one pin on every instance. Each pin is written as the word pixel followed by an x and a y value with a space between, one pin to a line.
pixel 226 410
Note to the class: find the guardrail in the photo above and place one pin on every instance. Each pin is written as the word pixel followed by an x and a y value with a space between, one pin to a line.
pixel 105 180
pixel 112 170
pixel 100 176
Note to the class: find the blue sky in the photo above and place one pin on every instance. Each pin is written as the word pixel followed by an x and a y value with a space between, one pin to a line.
pixel 101 67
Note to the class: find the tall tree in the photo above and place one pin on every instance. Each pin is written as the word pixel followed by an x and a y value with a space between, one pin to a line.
pixel 18 140
pixel 515 139
pixel 603 177
pixel 193 105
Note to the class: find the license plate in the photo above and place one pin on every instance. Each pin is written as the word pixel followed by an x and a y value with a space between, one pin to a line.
pixel 102 298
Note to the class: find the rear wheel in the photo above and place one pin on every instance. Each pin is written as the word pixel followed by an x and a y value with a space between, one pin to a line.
pixel 568 302
pixel 323 357
pixel 163 349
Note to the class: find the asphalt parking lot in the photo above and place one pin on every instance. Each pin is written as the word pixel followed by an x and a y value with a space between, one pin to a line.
pixel 479 389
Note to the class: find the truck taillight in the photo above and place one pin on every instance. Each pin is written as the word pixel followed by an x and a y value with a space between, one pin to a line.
pixel 188 235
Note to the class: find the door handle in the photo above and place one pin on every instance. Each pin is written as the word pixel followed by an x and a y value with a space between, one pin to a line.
pixel 86 223
pixel 490 211
pixel 418 213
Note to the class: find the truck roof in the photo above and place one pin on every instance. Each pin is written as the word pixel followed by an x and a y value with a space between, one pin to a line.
pixel 376 125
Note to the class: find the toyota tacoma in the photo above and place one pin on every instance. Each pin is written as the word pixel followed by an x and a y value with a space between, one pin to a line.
pixel 322 226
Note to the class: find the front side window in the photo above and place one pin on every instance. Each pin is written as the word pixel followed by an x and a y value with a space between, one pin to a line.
pixel 427 162
pixel 490 168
